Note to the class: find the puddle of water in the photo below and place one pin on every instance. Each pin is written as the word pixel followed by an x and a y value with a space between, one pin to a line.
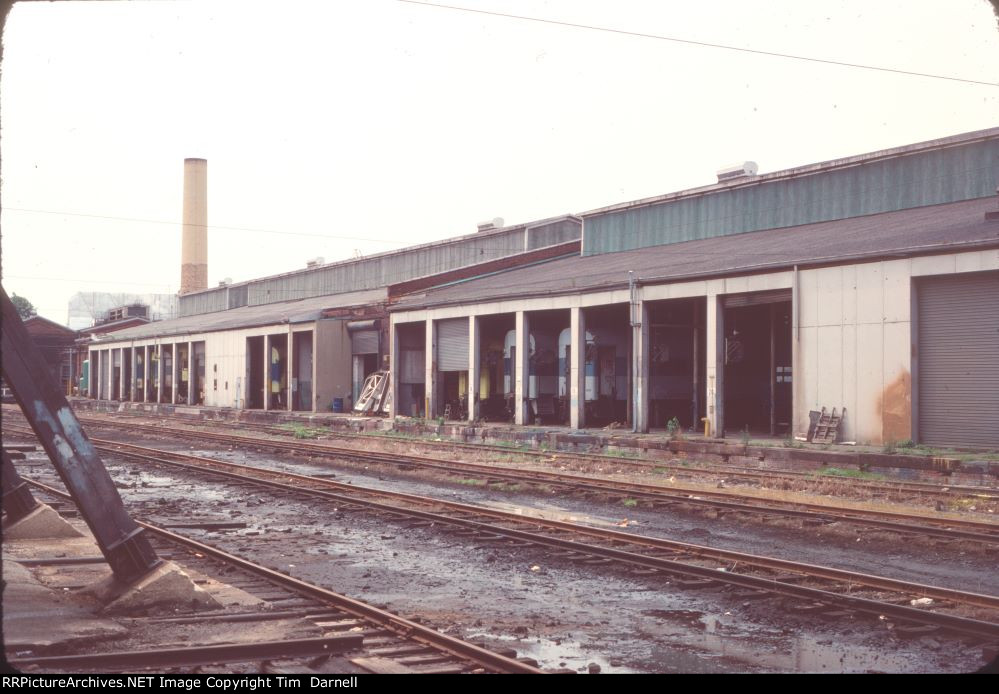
pixel 566 653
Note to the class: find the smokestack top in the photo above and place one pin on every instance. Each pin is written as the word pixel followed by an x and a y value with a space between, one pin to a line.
pixel 195 159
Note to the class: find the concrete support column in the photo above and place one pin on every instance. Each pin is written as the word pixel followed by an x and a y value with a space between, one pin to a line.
pixel 101 392
pixel 159 373
pixel 175 372
pixel 290 366
pixel 190 373
pixel 92 381
pixel 577 368
pixel 640 366
pixel 267 372
pixel 394 365
pixel 146 372
pixel 430 376
pixel 315 361
pixel 131 372
pixel 714 363
pixel 473 368
pixel 521 414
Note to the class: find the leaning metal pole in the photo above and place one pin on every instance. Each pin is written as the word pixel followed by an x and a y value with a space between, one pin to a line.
pixel 120 539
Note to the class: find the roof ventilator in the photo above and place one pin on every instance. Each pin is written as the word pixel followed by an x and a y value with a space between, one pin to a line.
pixel 743 170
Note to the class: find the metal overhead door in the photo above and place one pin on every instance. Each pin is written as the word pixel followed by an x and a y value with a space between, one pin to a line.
pixel 452 344
pixel 958 360
pixel 363 337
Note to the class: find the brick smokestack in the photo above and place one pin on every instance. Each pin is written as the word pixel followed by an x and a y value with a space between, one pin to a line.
pixel 194 243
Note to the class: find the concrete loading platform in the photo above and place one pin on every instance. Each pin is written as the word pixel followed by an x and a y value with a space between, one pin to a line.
pixel 60 598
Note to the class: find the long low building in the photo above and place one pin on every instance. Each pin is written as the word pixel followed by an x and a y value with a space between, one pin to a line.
pixel 301 341
pixel 866 286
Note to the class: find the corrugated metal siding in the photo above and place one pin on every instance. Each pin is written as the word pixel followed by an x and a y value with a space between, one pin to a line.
pixel 412 366
pixel 202 302
pixel 553 234
pixel 452 344
pixel 958 360
pixel 925 178
pixel 364 342
pixel 379 272
pixel 237 296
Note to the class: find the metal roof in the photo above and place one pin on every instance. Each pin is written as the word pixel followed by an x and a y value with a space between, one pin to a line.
pixel 299 311
pixel 923 230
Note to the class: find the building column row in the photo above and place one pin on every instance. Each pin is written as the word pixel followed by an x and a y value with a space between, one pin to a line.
pixel 138 387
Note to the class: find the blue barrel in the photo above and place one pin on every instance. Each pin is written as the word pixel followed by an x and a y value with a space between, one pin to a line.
pixel 338 404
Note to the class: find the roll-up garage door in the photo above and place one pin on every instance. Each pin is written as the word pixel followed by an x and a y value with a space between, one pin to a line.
pixel 452 344
pixel 364 342
pixel 756 298
pixel 363 337
pixel 958 360
pixel 412 366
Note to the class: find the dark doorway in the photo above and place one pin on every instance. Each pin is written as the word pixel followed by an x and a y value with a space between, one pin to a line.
pixel 255 373
pixel 757 356
pixel 676 363
pixel 302 386
pixel 126 365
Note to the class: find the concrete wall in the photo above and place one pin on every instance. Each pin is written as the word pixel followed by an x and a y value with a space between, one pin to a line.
pixel 225 359
pixel 855 349
pixel 333 363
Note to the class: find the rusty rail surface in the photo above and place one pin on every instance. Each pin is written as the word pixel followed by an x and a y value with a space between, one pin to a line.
pixel 727 471
pixel 893 521
pixel 471 655
pixel 836 587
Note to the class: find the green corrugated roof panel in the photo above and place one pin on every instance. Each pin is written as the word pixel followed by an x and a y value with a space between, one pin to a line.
pixel 916 179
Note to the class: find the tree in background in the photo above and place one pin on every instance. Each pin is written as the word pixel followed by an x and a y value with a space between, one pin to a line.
pixel 25 309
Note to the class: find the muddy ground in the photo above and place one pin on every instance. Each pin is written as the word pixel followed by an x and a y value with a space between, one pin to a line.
pixel 564 614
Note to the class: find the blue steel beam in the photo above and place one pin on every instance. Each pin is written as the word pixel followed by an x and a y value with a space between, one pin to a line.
pixel 120 538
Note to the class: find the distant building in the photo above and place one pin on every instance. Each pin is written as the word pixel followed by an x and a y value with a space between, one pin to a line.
pixel 89 308
pixel 55 343
pixel 117 318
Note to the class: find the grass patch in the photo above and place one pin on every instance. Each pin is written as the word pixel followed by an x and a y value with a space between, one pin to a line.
pixel 659 470
pixel 850 473
pixel 617 453
pixel 630 503
pixel 471 482
pixel 300 431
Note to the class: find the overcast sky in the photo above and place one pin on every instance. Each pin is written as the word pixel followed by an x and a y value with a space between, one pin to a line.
pixel 336 128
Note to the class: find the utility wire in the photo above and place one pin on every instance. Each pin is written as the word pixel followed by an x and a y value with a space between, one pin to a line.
pixel 704 44
pixel 207 226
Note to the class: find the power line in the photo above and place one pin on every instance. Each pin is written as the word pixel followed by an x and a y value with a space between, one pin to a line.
pixel 703 44
pixel 207 226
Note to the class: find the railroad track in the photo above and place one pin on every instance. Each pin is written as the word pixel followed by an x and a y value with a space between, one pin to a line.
pixel 758 477
pixel 369 637
pixel 722 503
pixel 804 588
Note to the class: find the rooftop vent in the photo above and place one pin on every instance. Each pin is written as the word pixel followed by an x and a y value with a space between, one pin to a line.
pixel 226 282
pixel 315 262
pixel 748 168
pixel 495 223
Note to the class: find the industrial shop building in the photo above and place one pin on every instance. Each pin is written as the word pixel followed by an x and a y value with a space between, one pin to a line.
pixel 868 284
pixel 302 341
